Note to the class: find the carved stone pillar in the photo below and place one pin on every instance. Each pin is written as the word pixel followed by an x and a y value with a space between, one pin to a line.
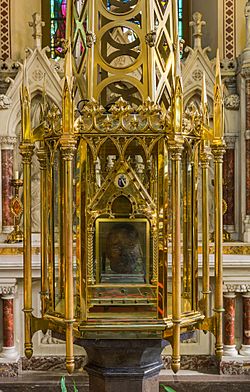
pixel 248 162
pixel 245 348
pixel 245 69
pixel 7 292
pixel 246 52
pixel 229 347
pixel 7 147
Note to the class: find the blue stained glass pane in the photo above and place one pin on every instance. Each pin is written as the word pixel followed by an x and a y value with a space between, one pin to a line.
pixel 180 18
pixel 58 27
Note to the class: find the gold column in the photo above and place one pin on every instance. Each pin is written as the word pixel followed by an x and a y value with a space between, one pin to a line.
pixel 194 220
pixel 218 152
pixel 26 150
pixel 42 155
pixel 67 150
pixel 81 238
pixel 68 147
pixel 176 154
pixel 176 148
pixel 61 259
pixel 162 234
pixel 205 157
pixel 165 223
pixel 187 233
pixel 51 236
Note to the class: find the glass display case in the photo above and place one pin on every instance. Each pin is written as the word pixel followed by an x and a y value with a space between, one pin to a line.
pixel 119 185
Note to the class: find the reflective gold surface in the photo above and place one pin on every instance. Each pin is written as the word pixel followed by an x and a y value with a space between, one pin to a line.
pixel 119 183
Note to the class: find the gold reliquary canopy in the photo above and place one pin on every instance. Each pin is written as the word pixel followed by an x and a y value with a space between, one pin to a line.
pixel 122 186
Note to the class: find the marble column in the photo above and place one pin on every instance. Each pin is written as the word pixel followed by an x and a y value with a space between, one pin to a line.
pixel 229 181
pixel 245 73
pixel 9 352
pixel 245 348
pixel 7 155
pixel 247 167
pixel 229 347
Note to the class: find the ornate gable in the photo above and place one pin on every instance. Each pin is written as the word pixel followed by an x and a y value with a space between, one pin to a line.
pixel 197 63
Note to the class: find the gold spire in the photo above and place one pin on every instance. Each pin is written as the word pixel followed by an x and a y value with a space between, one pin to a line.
pixel 175 19
pixel 178 92
pixel 68 104
pixel 68 67
pixel 177 59
pixel 25 106
pixel 204 101
pixel 218 104
pixel 69 19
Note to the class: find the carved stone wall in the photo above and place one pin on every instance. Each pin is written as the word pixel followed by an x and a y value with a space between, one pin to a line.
pixel 229 29
pixel 4 29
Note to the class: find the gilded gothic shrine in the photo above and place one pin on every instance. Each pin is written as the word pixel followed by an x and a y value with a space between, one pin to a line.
pixel 124 195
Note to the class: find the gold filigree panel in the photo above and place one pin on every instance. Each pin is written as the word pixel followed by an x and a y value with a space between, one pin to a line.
pixel 164 51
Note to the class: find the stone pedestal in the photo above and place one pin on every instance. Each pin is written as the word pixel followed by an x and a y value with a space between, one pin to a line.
pixel 229 347
pixel 9 352
pixel 245 348
pixel 123 365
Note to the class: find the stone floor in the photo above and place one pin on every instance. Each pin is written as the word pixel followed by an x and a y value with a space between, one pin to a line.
pixel 194 381
pixel 43 382
pixel 185 381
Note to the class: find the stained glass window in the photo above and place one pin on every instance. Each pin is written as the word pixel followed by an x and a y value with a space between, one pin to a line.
pixel 58 27
pixel 164 4
pixel 180 18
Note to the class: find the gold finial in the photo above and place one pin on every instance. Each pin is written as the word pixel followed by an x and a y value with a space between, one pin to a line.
pixel 177 58
pixel 25 75
pixel 204 101
pixel 218 104
pixel 44 100
pixel 178 92
pixel 175 19
pixel 69 17
pixel 68 104
pixel 217 70
pixel 68 67
pixel 25 106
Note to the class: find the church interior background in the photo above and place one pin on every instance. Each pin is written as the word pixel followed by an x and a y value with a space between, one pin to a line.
pixel 32 47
